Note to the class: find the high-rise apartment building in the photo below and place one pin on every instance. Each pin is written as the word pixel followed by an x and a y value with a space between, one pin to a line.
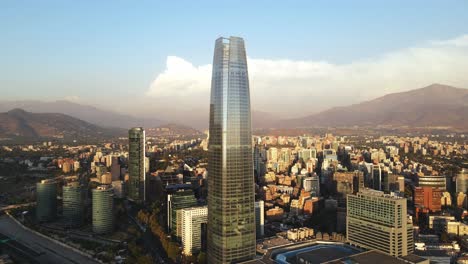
pixel 103 209
pixel 193 221
pixel 73 204
pixel 462 181
pixel 136 164
pixel 260 218
pixel 379 221
pixel 312 184
pixel 231 213
pixel 46 197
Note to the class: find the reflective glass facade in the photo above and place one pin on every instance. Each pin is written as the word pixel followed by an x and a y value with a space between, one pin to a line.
pixel 231 213
pixel 136 164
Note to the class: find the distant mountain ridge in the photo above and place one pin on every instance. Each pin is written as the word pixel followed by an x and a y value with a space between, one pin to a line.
pixel 20 124
pixel 90 114
pixel 436 105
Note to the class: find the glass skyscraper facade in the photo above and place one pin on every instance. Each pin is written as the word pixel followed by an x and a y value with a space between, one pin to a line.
pixel 231 213
pixel 136 164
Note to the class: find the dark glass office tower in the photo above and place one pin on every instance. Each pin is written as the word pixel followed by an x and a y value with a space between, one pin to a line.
pixel 231 213
pixel 136 164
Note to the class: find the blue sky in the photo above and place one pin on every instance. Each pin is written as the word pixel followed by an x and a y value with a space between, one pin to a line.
pixel 95 49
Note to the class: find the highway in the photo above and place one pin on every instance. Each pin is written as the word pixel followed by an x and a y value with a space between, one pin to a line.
pixel 43 249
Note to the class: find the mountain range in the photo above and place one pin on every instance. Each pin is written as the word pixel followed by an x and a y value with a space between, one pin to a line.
pixel 436 105
pixel 88 113
pixel 19 124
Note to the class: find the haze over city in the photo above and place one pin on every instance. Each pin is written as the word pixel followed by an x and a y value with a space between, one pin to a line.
pixel 303 57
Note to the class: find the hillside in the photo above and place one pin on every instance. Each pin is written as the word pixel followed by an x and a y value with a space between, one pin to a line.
pixel 432 106
pixel 19 124
pixel 90 114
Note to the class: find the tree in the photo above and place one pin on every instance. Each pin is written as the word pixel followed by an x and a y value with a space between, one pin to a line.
pixel 202 258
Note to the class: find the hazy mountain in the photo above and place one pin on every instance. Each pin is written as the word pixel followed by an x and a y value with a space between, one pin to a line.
pixel 431 106
pixel 91 114
pixel 173 130
pixel 19 124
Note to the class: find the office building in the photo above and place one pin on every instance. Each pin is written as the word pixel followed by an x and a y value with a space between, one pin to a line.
pixel 73 204
pixel 103 209
pixel 193 225
pixel 462 181
pixel 115 169
pixel 260 218
pixel 312 185
pixel 176 201
pixel 435 181
pixel 231 213
pixel 379 221
pixel 428 199
pixel 307 154
pixel 46 198
pixel 119 189
pixel 136 164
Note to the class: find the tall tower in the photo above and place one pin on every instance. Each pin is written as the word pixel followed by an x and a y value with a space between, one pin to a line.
pixel 136 164
pixel 231 213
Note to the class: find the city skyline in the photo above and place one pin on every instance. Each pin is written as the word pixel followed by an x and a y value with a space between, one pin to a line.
pixel 327 57
pixel 341 136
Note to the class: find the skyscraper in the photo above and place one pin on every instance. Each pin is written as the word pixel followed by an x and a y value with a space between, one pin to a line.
pixel 46 196
pixel 73 204
pixel 231 213
pixel 103 209
pixel 136 164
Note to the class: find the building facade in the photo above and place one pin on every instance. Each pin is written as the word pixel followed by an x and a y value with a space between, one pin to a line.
pixel 231 213
pixel 378 221
pixel 73 204
pixel 177 201
pixel 103 209
pixel 136 164
pixel 193 222
pixel 260 218
pixel 462 181
pixel 46 197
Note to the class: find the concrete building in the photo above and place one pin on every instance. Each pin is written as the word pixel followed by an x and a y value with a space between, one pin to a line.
pixel 434 181
pixel 312 185
pixel 300 233
pixel 119 189
pixel 193 225
pixel 46 197
pixel 260 218
pixel 379 221
pixel 462 181
pixel 428 199
pixel 103 209
pixel 457 228
pixel 73 204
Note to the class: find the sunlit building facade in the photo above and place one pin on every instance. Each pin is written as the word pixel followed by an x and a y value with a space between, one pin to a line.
pixel 231 213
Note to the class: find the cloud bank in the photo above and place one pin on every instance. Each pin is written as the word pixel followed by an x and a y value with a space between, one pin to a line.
pixel 297 88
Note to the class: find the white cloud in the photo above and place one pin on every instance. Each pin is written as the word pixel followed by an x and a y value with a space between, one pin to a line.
pixel 180 78
pixel 302 87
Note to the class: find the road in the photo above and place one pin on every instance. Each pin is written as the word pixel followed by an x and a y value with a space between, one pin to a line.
pixel 49 251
